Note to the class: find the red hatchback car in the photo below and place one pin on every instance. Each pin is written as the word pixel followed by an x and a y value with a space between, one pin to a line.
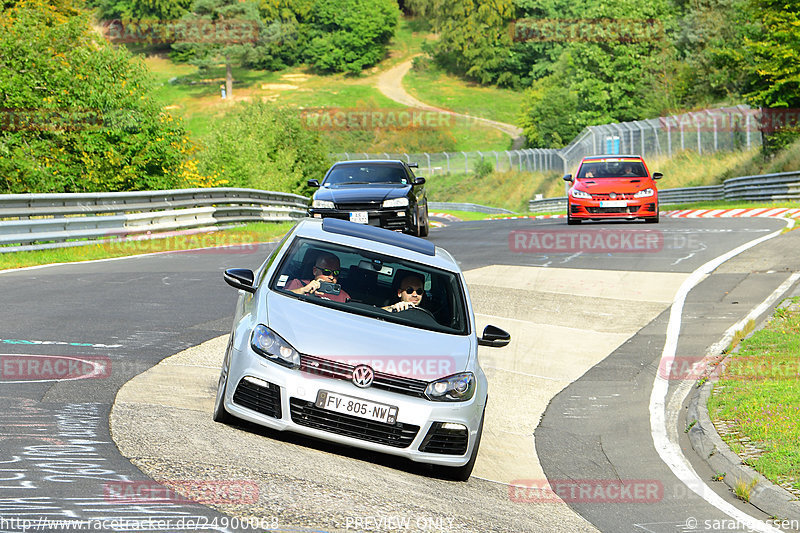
pixel 612 186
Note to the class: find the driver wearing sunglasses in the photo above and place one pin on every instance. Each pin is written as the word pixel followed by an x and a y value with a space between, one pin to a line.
pixel 326 269
pixel 410 293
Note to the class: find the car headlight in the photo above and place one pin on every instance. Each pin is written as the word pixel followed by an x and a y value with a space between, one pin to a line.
pixel 266 342
pixel 396 202
pixel 576 193
pixel 644 194
pixel 322 204
pixel 455 388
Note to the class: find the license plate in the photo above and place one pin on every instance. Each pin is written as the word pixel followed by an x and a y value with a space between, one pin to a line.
pixel 359 217
pixel 349 405
pixel 613 203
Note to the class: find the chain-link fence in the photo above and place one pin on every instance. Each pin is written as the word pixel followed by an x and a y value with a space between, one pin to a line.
pixel 438 163
pixel 706 131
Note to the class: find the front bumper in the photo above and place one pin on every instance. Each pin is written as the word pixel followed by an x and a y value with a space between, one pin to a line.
pixel 281 398
pixel 398 219
pixel 635 208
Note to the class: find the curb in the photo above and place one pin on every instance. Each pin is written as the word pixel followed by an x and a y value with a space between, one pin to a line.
pixel 765 495
pixel 779 212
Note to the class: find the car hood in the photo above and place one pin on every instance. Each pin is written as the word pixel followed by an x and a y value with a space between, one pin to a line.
pixel 367 193
pixel 354 339
pixel 618 185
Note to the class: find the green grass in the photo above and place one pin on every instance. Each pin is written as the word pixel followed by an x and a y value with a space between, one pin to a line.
pixel 195 96
pixel 509 190
pixel 464 215
pixel 759 393
pixel 446 91
pixel 243 235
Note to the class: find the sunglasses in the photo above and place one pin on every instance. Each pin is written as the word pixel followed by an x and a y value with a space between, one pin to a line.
pixel 327 271
pixel 410 290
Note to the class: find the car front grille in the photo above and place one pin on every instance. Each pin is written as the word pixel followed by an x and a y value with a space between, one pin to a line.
pixel 359 206
pixel 617 196
pixel 445 441
pixel 307 414
pixel 258 395
pixel 340 370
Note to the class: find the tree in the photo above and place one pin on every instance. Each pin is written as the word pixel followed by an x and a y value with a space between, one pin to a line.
pixel 473 36
pixel 262 146
pixel 349 35
pixel 79 114
pixel 220 31
pixel 776 68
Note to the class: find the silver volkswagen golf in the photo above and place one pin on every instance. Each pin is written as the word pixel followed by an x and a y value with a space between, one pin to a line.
pixel 361 336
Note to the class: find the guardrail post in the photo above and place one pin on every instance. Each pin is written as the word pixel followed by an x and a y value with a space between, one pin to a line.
pixel 448 161
pixel 429 163
pixel 510 164
pixel 466 163
pixel 496 159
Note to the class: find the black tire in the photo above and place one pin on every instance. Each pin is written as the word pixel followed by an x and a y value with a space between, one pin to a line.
pixel 220 414
pixel 572 221
pixel 462 473
pixel 425 229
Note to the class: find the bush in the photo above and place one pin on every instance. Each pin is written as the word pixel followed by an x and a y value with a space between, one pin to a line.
pixel 349 35
pixel 79 113
pixel 261 146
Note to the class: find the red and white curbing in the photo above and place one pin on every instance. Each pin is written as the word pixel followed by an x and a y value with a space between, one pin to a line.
pixel 779 212
pixel 775 212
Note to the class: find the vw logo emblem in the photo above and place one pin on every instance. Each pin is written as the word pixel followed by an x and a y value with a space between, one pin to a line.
pixel 362 376
pixel 612 195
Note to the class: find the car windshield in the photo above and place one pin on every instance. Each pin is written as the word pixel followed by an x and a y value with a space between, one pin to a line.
pixel 365 282
pixel 612 169
pixel 344 175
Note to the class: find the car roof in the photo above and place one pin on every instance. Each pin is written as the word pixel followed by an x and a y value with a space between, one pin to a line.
pixel 377 240
pixel 612 157
pixel 373 161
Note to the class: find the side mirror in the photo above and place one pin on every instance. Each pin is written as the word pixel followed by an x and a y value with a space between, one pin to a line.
pixel 313 183
pixel 240 278
pixel 568 177
pixel 494 336
pixel 413 165
pixel 419 181
pixel 657 175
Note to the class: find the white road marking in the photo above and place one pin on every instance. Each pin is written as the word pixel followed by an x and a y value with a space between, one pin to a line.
pixel 669 450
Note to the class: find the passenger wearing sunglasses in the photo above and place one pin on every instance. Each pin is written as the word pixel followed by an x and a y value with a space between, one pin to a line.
pixel 410 293
pixel 326 269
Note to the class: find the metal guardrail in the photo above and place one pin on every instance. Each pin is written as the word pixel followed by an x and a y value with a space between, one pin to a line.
pixel 36 221
pixel 762 188
pixel 473 208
